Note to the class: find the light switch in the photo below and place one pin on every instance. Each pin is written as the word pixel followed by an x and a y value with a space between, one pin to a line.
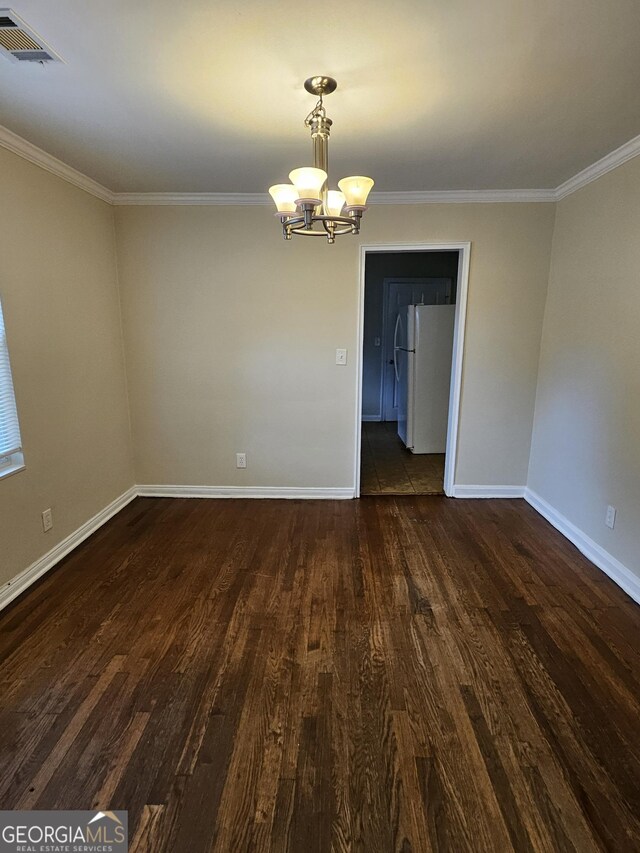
pixel 376 342
pixel 341 356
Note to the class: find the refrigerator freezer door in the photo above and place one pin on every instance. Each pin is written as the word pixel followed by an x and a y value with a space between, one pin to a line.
pixel 429 400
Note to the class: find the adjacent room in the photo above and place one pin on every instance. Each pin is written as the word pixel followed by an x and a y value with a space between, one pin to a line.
pixel 407 350
pixel 319 427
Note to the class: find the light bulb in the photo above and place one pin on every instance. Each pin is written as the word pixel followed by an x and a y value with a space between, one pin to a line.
pixel 285 196
pixel 308 182
pixel 356 189
pixel 334 203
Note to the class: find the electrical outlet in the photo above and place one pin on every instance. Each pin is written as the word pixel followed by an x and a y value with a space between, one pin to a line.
pixel 610 517
pixel 47 520
pixel 241 460
pixel 341 356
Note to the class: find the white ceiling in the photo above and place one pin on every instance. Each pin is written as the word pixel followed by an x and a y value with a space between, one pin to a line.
pixel 201 96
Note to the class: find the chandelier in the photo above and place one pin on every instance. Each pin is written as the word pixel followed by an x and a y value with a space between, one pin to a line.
pixel 307 206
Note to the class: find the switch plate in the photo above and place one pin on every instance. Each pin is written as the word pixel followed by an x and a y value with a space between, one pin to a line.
pixel 47 520
pixel 241 460
pixel 610 517
pixel 341 356
pixel 376 342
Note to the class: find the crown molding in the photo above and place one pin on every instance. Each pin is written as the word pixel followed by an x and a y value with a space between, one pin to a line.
pixel 596 170
pixel 30 152
pixel 191 198
pixel 426 197
pixel 462 196
pixel 12 142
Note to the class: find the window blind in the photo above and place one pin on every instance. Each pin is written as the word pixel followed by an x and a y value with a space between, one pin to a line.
pixel 9 428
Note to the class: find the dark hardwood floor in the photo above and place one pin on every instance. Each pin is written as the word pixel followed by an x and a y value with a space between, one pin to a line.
pixel 395 674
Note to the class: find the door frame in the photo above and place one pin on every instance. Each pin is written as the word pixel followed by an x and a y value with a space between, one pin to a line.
pixel 464 251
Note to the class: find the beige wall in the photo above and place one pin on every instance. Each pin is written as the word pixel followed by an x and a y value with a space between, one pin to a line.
pixel 230 336
pixel 231 333
pixel 586 441
pixel 58 288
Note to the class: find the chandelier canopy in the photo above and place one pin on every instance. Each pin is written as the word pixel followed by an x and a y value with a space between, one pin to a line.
pixel 307 206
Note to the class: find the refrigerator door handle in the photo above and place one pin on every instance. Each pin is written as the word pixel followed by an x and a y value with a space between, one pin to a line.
pixel 396 348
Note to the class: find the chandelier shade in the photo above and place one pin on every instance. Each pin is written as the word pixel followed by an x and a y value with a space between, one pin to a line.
pixel 308 182
pixel 356 190
pixel 307 206
pixel 284 195
pixel 334 203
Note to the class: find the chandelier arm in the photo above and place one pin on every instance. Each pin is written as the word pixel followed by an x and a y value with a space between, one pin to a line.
pixel 330 229
pixel 289 221
pixel 304 232
pixel 343 220
pixel 297 226
pixel 339 231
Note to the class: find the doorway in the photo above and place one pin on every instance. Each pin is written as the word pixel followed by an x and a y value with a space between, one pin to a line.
pixel 409 387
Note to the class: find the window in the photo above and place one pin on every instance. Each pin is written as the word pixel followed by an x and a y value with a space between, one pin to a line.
pixel 11 458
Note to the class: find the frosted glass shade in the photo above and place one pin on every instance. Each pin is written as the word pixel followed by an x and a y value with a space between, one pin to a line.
pixel 285 196
pixel 356 189
pixel 308 182
pixel 334 203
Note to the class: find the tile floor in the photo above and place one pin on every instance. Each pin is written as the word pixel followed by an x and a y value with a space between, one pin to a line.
pixel 388 468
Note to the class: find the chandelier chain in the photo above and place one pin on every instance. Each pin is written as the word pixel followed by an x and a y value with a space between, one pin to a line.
pixel 317 112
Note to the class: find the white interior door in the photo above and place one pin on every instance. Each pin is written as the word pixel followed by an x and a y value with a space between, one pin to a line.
pixel 397 294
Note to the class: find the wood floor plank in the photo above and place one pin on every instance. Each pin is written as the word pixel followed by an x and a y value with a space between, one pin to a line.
pixel 396 674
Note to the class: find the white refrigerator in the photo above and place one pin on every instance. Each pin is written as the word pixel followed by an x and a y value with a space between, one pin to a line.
pixel 422 353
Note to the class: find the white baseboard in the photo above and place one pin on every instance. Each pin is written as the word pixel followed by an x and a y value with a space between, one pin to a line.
pixel 487 492
pixel 291 492
pixel 369 419
pixel 25 578
pixel 616 570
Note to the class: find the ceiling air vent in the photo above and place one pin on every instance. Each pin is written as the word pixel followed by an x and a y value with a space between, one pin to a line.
pixel 20 43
